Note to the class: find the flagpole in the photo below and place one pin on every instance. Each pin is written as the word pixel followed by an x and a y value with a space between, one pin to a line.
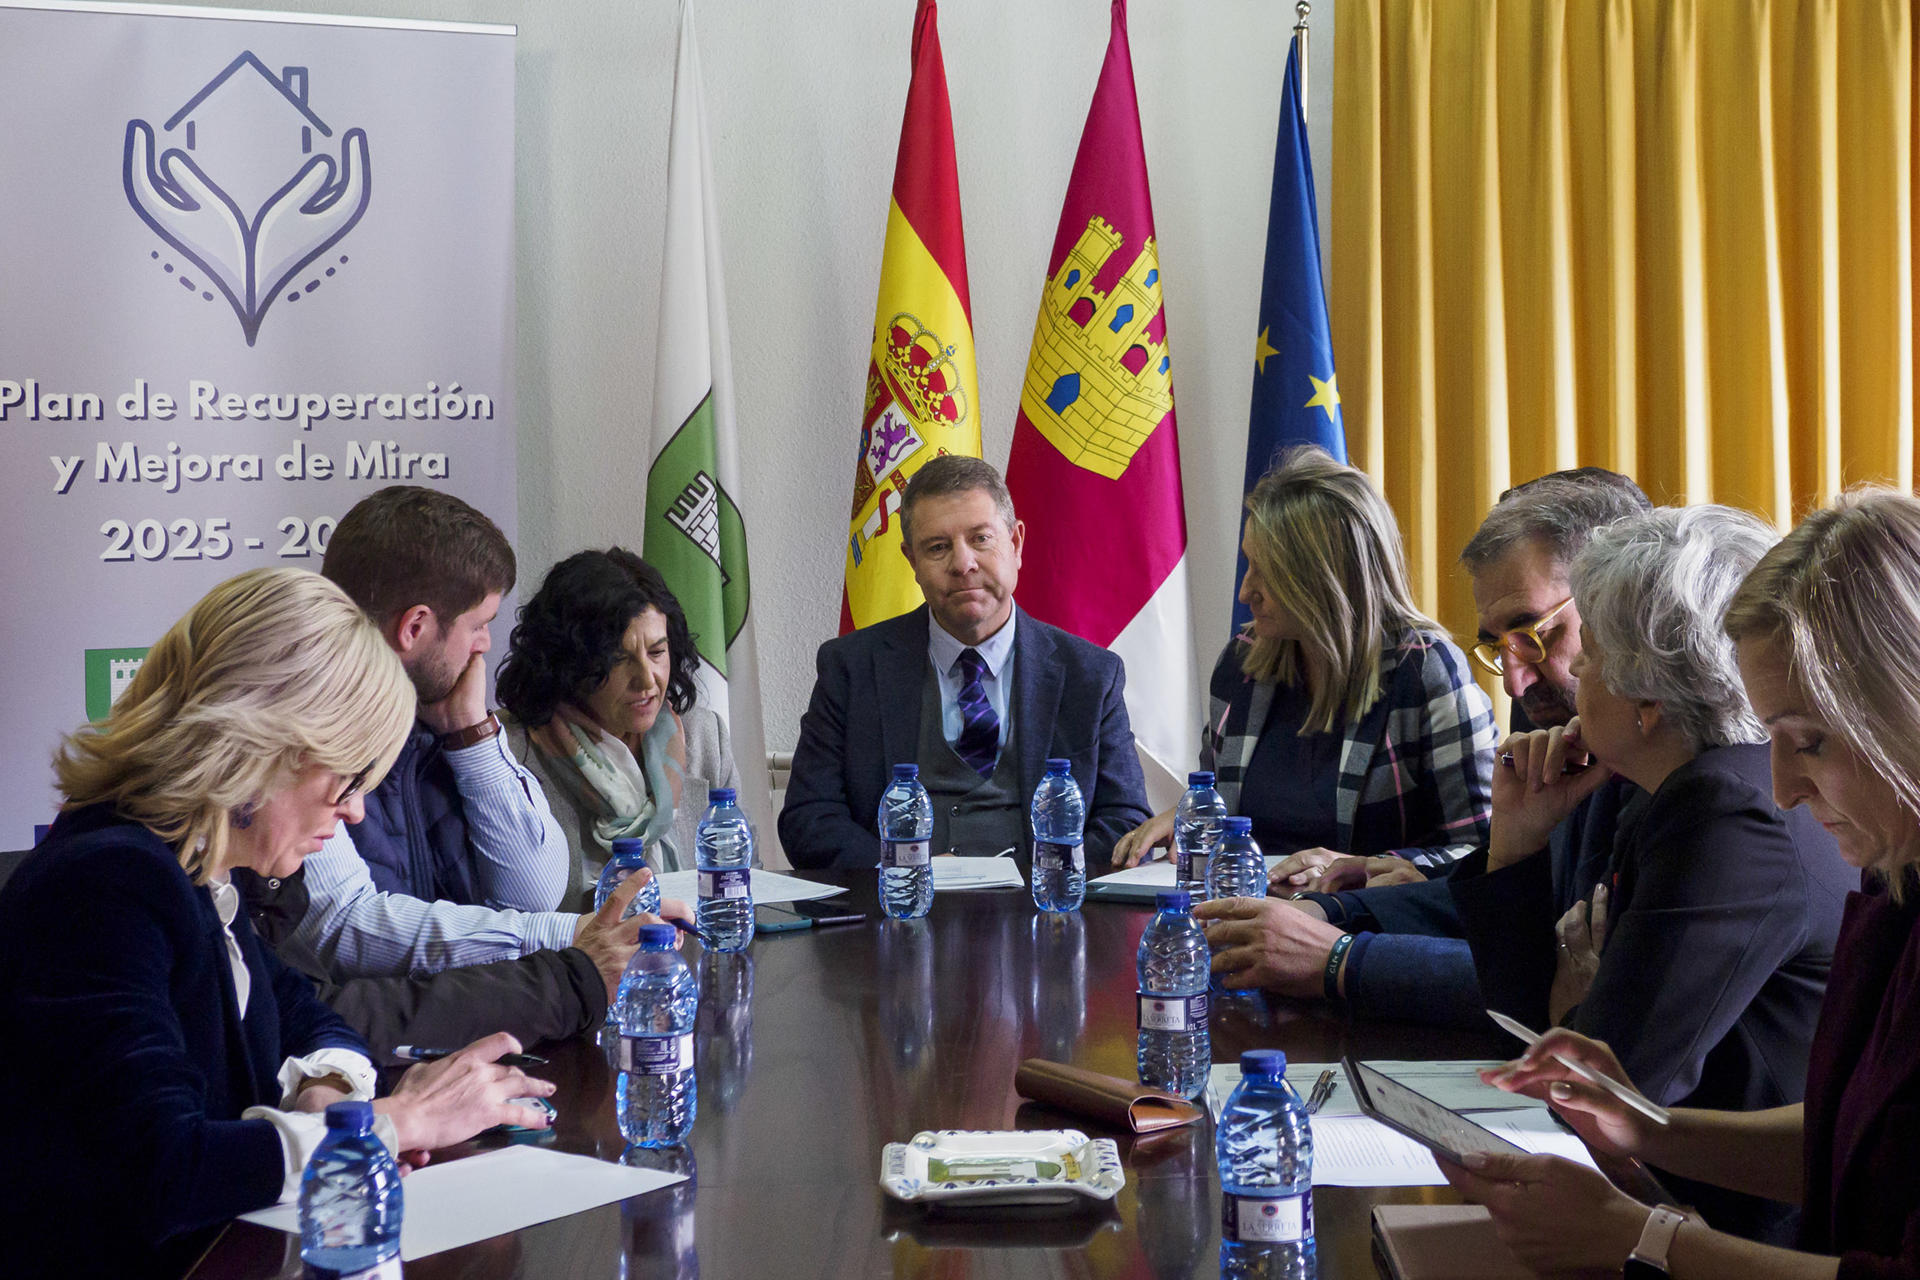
pixel 1302 9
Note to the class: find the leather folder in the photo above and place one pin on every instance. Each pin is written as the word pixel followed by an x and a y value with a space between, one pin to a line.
pixel 1116 1103
pixel 1441 1242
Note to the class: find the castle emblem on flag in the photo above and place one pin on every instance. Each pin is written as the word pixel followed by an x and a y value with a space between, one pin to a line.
pixel 1099 380
pixel 695 511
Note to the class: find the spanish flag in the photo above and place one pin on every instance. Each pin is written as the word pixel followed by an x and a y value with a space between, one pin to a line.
pixel 923 395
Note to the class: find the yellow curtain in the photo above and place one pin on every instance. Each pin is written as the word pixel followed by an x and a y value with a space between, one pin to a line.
pixel 1671 237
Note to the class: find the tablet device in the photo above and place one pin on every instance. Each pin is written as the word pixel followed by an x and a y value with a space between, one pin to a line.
pixel 1413 1113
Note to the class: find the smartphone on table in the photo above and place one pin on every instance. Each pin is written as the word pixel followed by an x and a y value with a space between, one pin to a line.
pixel 786 917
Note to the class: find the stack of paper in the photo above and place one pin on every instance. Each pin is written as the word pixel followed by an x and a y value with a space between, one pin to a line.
pixel 1142 883
pixel 461 1201
pixel 976 873
pixel 1353 1150
pixel 768 886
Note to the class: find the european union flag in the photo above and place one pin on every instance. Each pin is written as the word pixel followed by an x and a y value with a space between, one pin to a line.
pixel 1295 398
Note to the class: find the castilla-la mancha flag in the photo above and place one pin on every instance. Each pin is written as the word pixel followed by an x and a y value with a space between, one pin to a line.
pixel 1095 468
pixel 923 396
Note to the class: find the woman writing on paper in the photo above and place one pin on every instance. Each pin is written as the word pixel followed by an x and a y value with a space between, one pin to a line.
pixel 1827 630
pixel 600 681
pixel 166 1069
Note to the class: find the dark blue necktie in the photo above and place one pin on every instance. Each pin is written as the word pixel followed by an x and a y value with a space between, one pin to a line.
pixel 979 743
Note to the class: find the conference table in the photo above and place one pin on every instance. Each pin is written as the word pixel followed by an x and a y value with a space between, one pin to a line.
pixel 814 1049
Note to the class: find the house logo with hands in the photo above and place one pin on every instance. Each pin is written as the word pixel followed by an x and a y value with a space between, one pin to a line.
pixel 249 188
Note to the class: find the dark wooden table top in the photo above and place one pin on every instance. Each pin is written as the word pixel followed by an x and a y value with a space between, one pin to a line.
pixel 815 1049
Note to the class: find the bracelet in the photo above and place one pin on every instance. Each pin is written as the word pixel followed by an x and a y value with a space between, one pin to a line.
pixel 472 735
pixel 1335 957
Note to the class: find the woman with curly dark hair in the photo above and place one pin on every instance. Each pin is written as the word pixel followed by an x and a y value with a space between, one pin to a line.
pixel 599 685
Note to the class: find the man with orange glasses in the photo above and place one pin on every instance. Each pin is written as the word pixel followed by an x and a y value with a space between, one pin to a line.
pixel 1518 560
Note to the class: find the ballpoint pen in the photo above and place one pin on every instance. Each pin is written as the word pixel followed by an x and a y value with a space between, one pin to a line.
pixel 695 930
pixel 1322 1090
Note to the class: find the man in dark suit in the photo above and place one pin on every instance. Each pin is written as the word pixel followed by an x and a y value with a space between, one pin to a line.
pixel 976 692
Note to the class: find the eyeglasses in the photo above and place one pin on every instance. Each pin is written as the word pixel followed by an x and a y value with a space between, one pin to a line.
pixel 354 784
pixel 1524 643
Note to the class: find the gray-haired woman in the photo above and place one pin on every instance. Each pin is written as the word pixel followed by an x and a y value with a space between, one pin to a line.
pixel 1705 922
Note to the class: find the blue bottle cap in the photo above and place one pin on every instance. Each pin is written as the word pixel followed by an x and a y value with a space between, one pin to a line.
pixel 1176 900
pixel 355 1117
pixel 1200 778
pixel 906 771
pixel 720 795
pixel 656 936
pixel 1059 766
pixel 1239 826
pixel 1263 1062
pixel 638 844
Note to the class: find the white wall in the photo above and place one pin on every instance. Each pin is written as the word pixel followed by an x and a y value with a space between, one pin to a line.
pixel 804 102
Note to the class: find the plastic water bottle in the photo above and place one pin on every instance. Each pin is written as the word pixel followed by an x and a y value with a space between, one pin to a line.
pixel 1059 855
pixel 906 846
pixel 1175 1051
pixel 725 851
pixel 1264 1144
pixel 629 855
pixel 350 1201
pixel 1198 825
pixel 654 1094
pixel 1238 870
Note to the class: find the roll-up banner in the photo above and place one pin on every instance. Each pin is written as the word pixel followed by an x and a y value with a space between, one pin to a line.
pixel 253 267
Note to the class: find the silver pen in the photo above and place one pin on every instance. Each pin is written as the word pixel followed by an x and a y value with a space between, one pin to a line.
pixel 1322 1090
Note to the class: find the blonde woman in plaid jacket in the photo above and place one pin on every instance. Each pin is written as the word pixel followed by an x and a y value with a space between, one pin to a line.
pixel 1377 740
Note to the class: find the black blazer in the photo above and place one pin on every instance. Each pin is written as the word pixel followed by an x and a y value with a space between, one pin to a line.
pixel 1720 933
pixel 1068 701
pixel 127 1059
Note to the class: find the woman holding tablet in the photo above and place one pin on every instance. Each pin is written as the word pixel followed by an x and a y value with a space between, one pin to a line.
pixel 1827 630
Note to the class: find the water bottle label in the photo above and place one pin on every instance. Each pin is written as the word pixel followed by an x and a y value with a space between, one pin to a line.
pixel 654 1055
pixel 1173 1013
pixel 388 1269
pixel 1048 856
pixel 1256 1220
pixel 727 882
pixel 906 853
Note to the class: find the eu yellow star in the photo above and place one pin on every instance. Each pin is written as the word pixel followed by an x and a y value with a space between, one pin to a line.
pixel 1325 394
pixel 1264 349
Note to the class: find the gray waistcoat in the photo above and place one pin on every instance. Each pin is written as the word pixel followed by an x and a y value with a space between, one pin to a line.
pixel 971 814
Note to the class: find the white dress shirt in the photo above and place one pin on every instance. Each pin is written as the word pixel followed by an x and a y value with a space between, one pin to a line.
pixel 300 1131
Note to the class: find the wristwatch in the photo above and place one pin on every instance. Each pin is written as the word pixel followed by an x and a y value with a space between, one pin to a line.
pixel 472 734
pixel 1648 1261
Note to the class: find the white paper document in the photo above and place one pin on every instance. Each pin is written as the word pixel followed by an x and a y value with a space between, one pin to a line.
pixel 768 886
pixel 976 873
pixel 1454 1085
pixel 1354 1151
pixel 1141 883
pixel 448 1205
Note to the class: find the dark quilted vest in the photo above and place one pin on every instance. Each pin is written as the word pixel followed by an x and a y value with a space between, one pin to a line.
pixel 414 837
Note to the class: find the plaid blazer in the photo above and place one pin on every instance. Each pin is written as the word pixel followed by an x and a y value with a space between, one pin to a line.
pixel 1416 768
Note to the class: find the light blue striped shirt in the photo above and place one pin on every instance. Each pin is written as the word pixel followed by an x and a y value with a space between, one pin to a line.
pixel 521 865
pixel 996 650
